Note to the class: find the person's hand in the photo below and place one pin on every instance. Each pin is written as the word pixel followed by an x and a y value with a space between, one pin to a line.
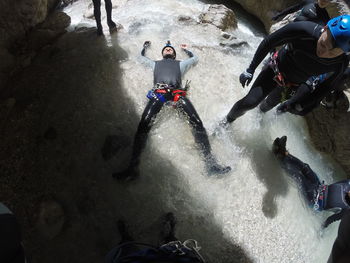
pixel 146 44
pixel 184 46
pixel 246 77
pixel 283 107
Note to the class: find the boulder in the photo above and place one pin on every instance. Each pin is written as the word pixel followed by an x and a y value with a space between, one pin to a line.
pixel 219 16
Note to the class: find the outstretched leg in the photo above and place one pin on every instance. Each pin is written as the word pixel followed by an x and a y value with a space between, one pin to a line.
pixel 108 5
pixel 201 136
pixel 300 171
pixel 262 86
pixel 149 114
pixel 97 14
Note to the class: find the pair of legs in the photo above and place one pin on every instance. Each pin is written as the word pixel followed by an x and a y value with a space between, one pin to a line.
pixel 262 87
pixel 152 109
pixel 306 178
pixel 97 14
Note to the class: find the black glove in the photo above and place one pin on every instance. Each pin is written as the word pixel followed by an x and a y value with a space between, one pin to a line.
pixel 283 107
pixel 246 77
pixel 146 44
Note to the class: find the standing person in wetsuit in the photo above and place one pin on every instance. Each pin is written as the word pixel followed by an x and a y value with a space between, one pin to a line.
pixel 97 13
pixel 309 11
pixel 309 50
pixel 334 197
pixel 167 81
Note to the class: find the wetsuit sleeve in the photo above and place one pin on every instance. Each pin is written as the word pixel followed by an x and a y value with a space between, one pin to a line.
pixel 334 218
pixel 147 61
pixel 289 10
pixel 312 100
pixel 186 64
pixel 284 35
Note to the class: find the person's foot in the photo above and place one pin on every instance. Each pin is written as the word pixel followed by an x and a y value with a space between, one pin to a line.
pixel 279 147
pixel 123 231
pixel 168 228
pixel 99 30
pixel 111 24
pixel 214 168
pixel 129 174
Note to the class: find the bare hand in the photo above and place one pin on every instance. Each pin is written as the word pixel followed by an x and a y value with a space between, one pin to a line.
pixel 184 46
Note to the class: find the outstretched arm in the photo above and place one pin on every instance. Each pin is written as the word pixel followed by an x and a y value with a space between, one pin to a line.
pixel 145 60
pixel 334 218
pixel 186 64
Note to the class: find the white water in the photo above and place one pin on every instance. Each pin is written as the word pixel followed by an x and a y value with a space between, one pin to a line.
pixel 256 207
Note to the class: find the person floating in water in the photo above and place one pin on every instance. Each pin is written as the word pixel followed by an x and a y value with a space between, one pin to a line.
pixel 97 13
pixel 167 81
pixel 334 197
pixel 308 50
pixel 309 11
pixel 171 249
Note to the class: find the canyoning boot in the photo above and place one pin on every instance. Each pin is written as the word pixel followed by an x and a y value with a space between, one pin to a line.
pixel 99 30
pixel 213 168
pixel 111 24
pixel 168 228
pixel 131 173
pixel 279 147
pixel 123 231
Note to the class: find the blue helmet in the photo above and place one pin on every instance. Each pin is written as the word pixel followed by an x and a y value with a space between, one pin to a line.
pixel 340 29
pixel 168 44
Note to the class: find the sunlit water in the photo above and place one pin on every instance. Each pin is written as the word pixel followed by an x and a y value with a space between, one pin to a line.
pixel 256 206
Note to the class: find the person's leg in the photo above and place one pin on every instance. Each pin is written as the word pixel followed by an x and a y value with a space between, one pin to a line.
pixel 271 100
pixel 300 171
pixel 149 114
pixel 200 136
pixel 108 5
pixel 262 86
pixel 97 14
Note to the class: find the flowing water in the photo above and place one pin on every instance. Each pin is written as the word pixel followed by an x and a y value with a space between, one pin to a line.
pixel 256 209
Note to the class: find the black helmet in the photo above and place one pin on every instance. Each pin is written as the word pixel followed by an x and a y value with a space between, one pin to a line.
pixel 168 44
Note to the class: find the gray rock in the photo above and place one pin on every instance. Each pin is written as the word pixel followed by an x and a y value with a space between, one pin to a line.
pixel 219 16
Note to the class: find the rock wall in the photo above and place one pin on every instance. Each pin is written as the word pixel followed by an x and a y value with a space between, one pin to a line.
pixel 18 20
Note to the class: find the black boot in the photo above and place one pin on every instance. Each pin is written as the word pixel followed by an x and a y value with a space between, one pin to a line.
pixel 279 147
pixel 111 24
pixel 214 168
pixel 99 30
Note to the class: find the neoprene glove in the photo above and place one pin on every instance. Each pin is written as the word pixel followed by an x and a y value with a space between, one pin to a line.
pixel 146 44
pixel 246 77
pixel 283 107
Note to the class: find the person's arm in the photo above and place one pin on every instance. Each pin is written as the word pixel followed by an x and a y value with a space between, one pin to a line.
pixel 289 10
pixel 284 35
pixel 145 60
pixel 187 63
pixel 334 218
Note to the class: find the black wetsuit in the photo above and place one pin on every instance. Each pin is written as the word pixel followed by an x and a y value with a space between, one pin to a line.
pixel 97 14
pixel 320 197
pixel 297 61
pixel 169 71
pixel 310 11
